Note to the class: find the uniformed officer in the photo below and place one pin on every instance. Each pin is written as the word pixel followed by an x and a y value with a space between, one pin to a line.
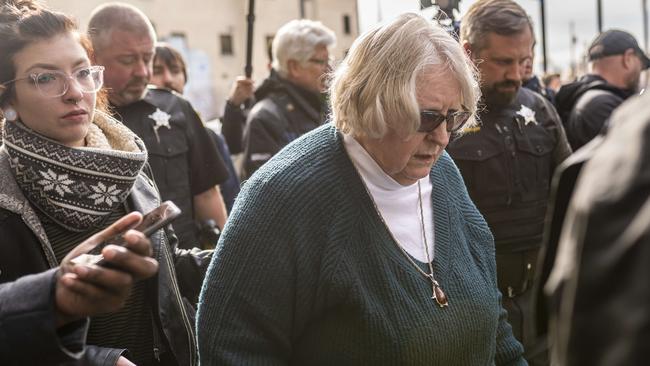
pixel 508 161
pixel 186 165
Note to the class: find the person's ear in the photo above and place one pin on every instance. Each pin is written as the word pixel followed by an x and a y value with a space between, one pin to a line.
pixel 294 68
pixel 92 57
pixel 628 58
pixel 468 49
pixel 8 112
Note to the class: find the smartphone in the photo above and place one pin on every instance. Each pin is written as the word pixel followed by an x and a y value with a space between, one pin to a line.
pixel 153 221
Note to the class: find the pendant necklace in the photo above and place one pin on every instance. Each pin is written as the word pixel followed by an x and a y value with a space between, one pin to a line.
pixel 437 293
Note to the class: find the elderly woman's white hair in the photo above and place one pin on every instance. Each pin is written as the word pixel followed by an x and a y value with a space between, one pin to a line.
pixel 375 85
pixel 297 40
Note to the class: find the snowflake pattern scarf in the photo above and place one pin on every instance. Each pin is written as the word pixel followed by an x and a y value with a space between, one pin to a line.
pixel 76 187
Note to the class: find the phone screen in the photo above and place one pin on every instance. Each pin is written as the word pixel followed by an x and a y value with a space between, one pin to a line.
pixel 153 221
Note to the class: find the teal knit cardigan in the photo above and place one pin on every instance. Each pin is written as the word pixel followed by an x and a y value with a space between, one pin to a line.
pixel 306 273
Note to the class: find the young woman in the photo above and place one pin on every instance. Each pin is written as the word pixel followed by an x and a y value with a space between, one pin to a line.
pixel 68 170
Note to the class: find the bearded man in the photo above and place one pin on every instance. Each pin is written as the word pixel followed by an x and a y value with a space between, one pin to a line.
pixel 508 161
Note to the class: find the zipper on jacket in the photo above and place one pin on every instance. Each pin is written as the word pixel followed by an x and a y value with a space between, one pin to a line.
pixel 156 340
pixel 177 292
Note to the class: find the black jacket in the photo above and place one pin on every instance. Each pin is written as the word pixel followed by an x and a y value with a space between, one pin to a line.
pixel 27 323
pixel 233 120
pixel 602 267
pixel 562 189
pixel 507 164
pixel 283 113
pixel 26 250
pixel 184 159
pixel 585 105
pixel 535 85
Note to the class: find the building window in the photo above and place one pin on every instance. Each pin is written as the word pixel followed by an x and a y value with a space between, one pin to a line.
pixel 226 44
pixel 346 24
pixel 178 35
pixel 177 40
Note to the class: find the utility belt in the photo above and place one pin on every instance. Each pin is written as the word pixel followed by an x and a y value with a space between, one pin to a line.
pixel 516 271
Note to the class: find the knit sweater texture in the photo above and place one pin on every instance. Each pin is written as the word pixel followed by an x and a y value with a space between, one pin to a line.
pixel 306 273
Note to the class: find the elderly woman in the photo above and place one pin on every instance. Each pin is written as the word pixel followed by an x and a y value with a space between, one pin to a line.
pixel 358 243
pixel 67 171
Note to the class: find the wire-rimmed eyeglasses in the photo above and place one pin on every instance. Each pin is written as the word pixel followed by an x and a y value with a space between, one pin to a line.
pixel 54 84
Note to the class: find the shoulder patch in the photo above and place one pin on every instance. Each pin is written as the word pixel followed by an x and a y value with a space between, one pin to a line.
pixel 471 130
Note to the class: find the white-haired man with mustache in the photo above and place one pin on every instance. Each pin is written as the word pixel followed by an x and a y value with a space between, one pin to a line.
pixel 508 161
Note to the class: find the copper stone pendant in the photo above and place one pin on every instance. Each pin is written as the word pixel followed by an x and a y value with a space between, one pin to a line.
pixel 438 294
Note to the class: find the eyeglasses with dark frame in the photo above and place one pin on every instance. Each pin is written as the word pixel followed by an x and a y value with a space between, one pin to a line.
pixel 54 84
pixel 431 119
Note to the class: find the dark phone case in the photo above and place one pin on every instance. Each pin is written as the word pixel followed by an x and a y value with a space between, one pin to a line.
pixel 153 221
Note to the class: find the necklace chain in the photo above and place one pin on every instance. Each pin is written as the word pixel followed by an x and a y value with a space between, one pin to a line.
pixel 424 233
pixel 437 293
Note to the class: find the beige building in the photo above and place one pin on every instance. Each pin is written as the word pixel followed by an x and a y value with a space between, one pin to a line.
pixel 212 36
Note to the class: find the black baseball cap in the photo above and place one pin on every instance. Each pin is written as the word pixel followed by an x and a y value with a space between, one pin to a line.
pixel 615 42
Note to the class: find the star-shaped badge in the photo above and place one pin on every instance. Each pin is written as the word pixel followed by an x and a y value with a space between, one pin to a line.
pixel 161 119
pixel 528 115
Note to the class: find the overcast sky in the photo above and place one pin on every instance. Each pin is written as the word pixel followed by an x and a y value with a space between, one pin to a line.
pixel 623 14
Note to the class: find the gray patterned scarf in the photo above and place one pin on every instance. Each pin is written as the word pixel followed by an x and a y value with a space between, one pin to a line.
pixel 76 187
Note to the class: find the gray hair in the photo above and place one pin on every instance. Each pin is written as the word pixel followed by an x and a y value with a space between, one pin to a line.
pixel 375 85
pixel 121 16
pixel 503 17
pixel 297 40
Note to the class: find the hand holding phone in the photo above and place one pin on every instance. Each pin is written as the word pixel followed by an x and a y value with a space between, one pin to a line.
pixel 83 291
pixel 153 221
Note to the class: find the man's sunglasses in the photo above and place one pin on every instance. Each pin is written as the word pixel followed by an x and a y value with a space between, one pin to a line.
pixel 430 120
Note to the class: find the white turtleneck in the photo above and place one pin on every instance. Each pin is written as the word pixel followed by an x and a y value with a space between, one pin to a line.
pixel 398 205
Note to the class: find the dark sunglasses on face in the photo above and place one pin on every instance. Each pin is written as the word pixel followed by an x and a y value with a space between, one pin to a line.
pixel 430 120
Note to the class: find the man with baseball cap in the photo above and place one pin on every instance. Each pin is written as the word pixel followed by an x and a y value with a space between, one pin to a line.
pixel 616 42
pixel 585 105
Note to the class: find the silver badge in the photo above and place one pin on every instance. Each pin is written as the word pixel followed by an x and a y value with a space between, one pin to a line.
pixel 161 119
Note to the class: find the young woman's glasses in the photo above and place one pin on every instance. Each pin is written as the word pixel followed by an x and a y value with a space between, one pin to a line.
pixel 54 84
pixel 430 120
